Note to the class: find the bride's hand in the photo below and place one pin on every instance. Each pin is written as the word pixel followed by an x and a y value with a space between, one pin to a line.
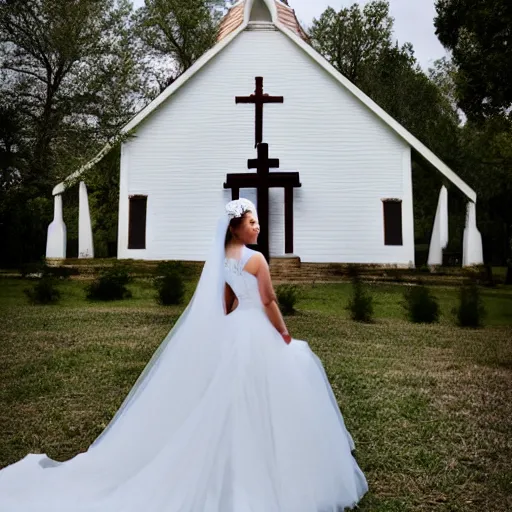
pixel 286 337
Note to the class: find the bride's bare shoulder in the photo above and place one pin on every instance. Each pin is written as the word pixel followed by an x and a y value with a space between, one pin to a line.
pixel 256 262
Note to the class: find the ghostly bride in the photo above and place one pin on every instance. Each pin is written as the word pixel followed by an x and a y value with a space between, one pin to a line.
pixel 230 414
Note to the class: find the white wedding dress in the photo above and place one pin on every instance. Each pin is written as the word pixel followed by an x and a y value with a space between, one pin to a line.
pixel 226 418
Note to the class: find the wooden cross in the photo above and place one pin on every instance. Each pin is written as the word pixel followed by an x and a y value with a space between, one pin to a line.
pixel 263 180
pixel 259 99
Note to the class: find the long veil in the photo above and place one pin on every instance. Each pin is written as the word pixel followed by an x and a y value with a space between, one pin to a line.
pixel 204 309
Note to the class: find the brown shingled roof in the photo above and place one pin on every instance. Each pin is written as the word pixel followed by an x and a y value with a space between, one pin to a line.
pixel 286 16
pixel 235 17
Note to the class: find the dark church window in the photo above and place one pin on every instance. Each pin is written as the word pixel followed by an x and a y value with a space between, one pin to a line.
pixel 392 222
pixel 137 222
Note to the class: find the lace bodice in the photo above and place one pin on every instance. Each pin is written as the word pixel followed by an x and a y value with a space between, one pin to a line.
pixel 243 284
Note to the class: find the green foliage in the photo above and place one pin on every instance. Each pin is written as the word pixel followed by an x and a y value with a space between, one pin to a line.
pixel 176 33
pixel 43 292
pixel 70 79
pixel 72 74
pixel 103 187
pixel 287 296
pixel 421 305
pixel 470 311
pixel 478 36
pixel 111 284
pixel 69 64
pixel 169 282
pixel 353 38
pixel 358 41
pixel 487 157
pixel 23 225
pixel 360 304
pixel 11 141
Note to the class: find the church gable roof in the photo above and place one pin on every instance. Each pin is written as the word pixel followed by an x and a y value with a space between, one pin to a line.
pixel 273 6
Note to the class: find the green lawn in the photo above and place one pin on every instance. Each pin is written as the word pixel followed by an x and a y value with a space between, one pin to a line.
pixel 430 407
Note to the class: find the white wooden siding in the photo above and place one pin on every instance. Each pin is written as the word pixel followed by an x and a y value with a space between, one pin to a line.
pixel 348 159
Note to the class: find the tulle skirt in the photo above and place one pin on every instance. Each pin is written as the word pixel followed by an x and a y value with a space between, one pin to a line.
pixel 236 422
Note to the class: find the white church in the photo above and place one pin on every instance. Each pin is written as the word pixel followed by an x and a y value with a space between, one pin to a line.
pixel 262 115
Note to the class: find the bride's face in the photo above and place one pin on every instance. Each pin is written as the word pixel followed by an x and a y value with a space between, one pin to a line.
pixel 248 230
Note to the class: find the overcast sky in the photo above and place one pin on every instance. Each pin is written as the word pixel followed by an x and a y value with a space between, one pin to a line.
pixel 414 22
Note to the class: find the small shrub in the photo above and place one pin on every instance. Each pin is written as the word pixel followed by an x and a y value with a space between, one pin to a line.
pixel 43 292
pixel 287 296
pixel 111 284
pixel 170 283
pixel 421 305
pixel 470 311
pixel 360 304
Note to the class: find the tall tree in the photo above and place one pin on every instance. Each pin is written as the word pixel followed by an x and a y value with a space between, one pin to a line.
pixel 67 66
pixel 11 144
pixel 358 41
pixel 479 35
pixel 69 73
pixel 487 153
pixel 353 38
pixel 174 34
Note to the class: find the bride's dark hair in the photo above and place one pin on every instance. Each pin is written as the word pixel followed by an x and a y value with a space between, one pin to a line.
pixel 235 223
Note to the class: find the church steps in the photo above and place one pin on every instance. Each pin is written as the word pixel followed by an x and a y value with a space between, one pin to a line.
pixel 285 270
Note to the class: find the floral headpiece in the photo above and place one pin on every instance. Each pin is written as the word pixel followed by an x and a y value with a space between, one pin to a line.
pixel 238 208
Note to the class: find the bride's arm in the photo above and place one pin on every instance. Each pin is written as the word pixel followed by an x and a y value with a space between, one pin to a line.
pixel 259 267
